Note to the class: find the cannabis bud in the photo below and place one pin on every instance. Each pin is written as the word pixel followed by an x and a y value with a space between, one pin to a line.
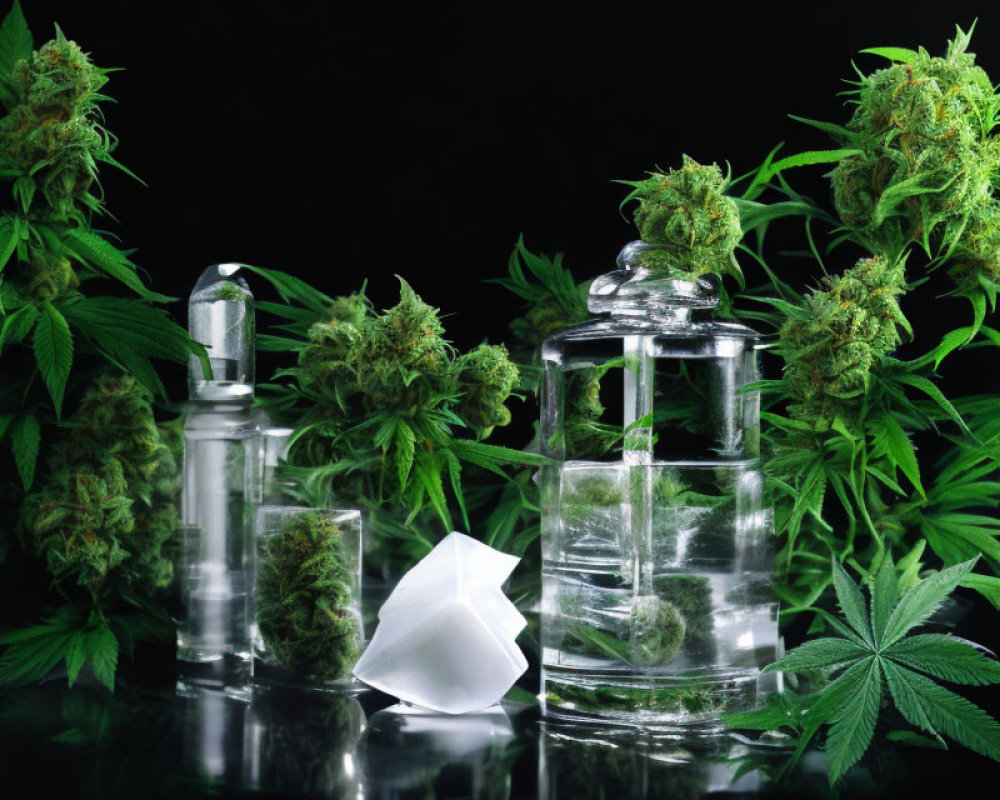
pixel 976 258
pixel 658 632
pixel 926 154
pixel 97 516
pixel 846 326
pixel 400 360
pixel 406 339
pixel 687 214
pixel 52 134
pixel 485 378
pixel 304 597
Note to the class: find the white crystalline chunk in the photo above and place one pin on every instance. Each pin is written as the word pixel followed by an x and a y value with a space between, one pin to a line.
pixel 445 638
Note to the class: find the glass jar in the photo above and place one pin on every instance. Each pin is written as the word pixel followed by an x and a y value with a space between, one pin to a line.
pixel 656 603
pixel 308 626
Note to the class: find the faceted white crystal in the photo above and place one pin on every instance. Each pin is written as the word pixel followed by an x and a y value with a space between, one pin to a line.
pixel 445 638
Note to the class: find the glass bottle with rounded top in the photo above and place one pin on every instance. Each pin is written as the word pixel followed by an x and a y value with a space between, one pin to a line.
pixel 222 480
pixel 656 608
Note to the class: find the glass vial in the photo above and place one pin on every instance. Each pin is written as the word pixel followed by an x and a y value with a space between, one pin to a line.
pixel 656 608
pixel 222 479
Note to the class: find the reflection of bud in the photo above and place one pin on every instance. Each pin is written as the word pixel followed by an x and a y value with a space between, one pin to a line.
pixel 926 155
pixel 686 213
pixel 657 631
pixel 844 328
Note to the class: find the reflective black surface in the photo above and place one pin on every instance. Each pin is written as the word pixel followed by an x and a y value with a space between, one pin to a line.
pixel 159 743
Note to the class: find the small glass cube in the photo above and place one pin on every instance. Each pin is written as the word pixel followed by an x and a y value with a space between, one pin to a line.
pixel 308 629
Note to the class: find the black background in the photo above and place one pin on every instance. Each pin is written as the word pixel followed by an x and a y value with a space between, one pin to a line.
pixel 344 143
pixel 350 142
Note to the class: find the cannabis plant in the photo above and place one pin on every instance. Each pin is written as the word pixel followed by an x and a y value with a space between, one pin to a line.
pixel 862 449
pixel 388 416
pixel 843 421
pixel 88 551
pixel 874 658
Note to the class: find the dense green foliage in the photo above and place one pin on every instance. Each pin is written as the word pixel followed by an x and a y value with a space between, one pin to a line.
pixel 304 593
pixel 383 407
pixel 97 518
pixel 862 450
pixel 874 656
pixel 82 541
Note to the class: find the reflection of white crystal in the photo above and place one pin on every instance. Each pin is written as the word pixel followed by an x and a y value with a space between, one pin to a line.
pixel 445 638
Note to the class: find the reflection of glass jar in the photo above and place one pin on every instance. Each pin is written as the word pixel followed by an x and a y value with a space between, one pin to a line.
pixel 656 606
pixel 309 630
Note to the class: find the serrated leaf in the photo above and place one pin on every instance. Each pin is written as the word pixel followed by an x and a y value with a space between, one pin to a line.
pixel 914 739
pixel 852 602
pixel 25 439
pixel 986 585
pixel 18 325
pixel 24 188
pixel 102 256
pixel 15 41
pixel 102 649
pixel 76 657
pixel 922 600
pixel 54 352
pixel 816 653
pixel 885 593
pixel 927 386
pixel 901 54
pixel 899 449
pixel 850 735
pixel 405 442
pixel 10 235
pixel 291 288
pixel 946 657
pixel 955 716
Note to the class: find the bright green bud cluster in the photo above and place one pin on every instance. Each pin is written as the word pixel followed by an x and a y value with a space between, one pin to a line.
pixel 47 276
pixel 400 360
pixel 304 598
pixel 391 349
pixel 53 134
pixel 657 632
pixel 845 327
pixel 97 517
pixel 485 378
pixel 926 158
pixel 976 259
pixel 686 213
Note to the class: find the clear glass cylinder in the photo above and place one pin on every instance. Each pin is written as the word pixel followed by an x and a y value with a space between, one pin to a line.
pixel 309 631
pixel 656 607
pixel 222 484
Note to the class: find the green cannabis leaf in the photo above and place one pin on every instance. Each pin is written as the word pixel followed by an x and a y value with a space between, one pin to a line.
pixel 876 656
